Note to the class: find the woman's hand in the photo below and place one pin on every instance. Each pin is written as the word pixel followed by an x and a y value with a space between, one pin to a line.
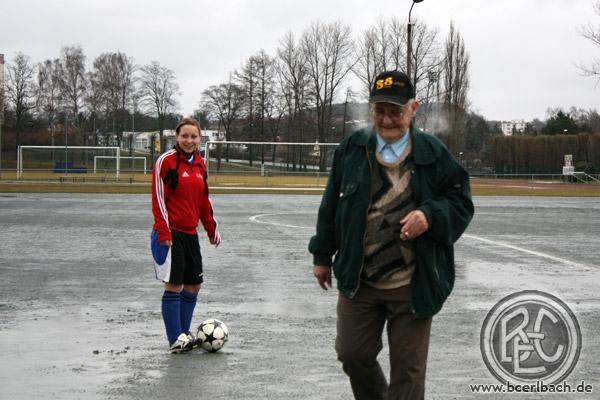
pixel 215 240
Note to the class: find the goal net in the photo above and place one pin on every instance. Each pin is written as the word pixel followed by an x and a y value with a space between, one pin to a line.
pixel 127 163
pixel 45 161
pixel 289 163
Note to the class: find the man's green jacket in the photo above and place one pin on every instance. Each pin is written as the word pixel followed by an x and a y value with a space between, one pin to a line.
pixel 441 190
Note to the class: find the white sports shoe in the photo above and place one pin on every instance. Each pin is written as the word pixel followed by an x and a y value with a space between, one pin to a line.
pixel 184 343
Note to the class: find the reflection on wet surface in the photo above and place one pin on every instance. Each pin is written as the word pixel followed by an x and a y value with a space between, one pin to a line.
pixel 77 282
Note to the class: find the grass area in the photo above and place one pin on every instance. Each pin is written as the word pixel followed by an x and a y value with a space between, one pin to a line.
pixel 283 181
pixel 522 187
pixel 564 191
pixel 29 187
pixel 47 182
pixel 47 176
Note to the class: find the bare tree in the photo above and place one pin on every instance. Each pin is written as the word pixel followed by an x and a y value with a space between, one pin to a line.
pixel 73 80
pixel 247 81
pixel 104 77
pixel 275 110
pixel 257 82
pixel 49 92
pixel 224 102
pixel 589 119
pixel 292 73
pixel 427 65
pixel 2 105
pixel 592 33
pixel 272 103
pixel 94 100
pixel 158 90
pixel 256 79
pixel 456 86
pixel 426 58
pixel 383 48
pixel 396 37
pixel 327 48
pixel 265 73
pixel 21 90
pixel 125 68
pixel 266 95
pixel 113 75
pixel 369 59
pixel 293 79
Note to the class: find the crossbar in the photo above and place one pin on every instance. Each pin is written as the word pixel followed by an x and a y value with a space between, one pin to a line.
pixel 65 148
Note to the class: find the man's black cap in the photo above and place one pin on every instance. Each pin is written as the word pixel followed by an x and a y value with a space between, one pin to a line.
pixel 392 87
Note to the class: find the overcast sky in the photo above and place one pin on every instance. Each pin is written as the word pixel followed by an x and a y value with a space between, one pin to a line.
pixel 524 53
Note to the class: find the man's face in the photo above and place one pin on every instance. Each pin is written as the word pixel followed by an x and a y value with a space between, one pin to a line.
pixel 391 121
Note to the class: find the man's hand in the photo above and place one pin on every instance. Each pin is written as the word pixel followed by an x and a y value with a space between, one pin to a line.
pixel 413 225
pixel 166 243
pixel 323 275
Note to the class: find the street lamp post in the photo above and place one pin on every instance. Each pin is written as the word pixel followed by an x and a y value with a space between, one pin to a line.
pixel 51 131
pixel 1 106
pixel 409 41
pixel 1 121
pixel 132 136
pixel 66 145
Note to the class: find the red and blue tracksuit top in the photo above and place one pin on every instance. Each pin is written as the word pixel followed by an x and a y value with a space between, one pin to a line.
pixel 180 209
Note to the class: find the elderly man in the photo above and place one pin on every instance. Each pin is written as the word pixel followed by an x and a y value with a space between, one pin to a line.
pixel 395 203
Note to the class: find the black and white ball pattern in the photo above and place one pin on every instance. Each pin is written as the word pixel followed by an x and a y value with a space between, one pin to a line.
pixel 212 334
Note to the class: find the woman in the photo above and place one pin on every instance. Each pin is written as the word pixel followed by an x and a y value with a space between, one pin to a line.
pixel 179 200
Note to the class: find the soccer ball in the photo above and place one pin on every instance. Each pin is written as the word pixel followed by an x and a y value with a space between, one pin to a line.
pixel 212 335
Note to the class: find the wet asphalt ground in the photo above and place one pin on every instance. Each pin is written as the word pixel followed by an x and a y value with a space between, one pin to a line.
pixel 80 308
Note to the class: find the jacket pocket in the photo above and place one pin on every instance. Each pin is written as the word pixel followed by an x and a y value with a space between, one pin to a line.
pixel 347 189
pixel 343 215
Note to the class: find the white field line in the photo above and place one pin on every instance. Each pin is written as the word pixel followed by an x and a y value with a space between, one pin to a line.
pixel 256 218
pixel 266 189
pixel 523 250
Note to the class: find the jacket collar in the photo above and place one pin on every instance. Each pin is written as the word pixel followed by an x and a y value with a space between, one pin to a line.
pixel 183 159
pixel 423 152
pixel 183 154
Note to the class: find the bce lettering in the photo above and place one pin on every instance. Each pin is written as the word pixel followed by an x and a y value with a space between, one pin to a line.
pixel 524 343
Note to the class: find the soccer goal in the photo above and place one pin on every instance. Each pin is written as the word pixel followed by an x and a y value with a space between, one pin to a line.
pixel 280 163
pixel 39 161
pixel 110 160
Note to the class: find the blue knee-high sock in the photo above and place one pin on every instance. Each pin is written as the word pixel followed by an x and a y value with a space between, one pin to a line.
pixel 171 306
pixel 188 302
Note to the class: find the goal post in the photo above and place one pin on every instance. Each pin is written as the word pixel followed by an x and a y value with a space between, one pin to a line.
pixel 62 162
pixel 96 158
pixel 269 158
